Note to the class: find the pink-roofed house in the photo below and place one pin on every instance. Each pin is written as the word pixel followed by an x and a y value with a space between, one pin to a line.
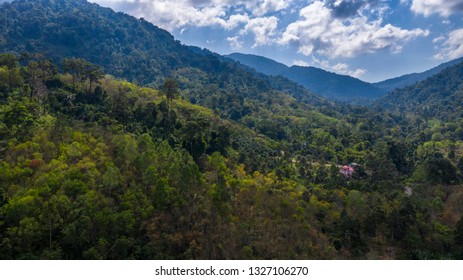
pixel 347 171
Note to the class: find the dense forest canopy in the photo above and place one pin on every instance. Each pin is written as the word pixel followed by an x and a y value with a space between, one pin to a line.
pixel 101 158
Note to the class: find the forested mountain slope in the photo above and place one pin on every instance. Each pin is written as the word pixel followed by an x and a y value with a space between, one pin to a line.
pixel 97 168
pixel 334 86
pixel 330 85
pixel 136 50
pixel 261 64
pixel 411 79
pixel 440 96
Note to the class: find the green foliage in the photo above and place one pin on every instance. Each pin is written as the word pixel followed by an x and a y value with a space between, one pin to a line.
pixel 92 167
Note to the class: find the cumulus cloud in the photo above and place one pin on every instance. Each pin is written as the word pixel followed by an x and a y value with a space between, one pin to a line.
pixel 170 14
pixel 438 39
pixel 330 28
pixel 339 68
pixel 318 31
pixel 263 29
pixel 301 63
pixel 443 7
pixel 452 46
pixel 342 68
pixel 246 17
pixel 235 42
pixel 263 7
pixel 347 8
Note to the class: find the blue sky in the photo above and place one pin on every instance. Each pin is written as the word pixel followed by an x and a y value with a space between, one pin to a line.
pixel 369 39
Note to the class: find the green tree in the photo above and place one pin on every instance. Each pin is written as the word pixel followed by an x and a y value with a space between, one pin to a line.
pixel 11 64
pixel 171 91
pixel 81 71
pixel 458 239
pixel 38 73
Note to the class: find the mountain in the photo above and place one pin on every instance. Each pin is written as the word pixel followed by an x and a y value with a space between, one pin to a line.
pixel 261 64
pixel 138 51
pixel 330 85
pixel 410 79
pixel 438 97
pixel 334 86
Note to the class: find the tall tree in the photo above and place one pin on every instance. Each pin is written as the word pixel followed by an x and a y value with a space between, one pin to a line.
pixel 81 71
pixel 10 62
pixel 170 90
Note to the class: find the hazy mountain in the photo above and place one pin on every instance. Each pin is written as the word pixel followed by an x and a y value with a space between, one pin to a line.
pixel 331 85
pixel 261 64
pixel 410 79
pixel 334 86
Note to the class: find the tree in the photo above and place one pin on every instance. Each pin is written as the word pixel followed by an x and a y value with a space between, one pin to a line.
pixel 75 67
pixel 458 239
pixel 170 90
pixel 38 72
pixel 93 74
pixel 440 171
pixel 81 71
pixel 10 62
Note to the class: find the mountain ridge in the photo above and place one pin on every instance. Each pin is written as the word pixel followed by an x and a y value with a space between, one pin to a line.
pixel 437 97
pixel 412 78
pixel 330 85
pixel 136 50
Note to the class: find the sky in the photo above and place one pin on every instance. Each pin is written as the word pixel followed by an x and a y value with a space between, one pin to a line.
pixel 369 39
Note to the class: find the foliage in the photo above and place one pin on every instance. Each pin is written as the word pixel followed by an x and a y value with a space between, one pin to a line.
pixel 236 166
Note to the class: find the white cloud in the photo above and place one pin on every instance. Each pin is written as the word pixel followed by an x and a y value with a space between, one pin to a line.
pixel 235 42
pixel 319 32
pixel 339 68
pixel 235 20
pixel 262 7
pixel 452 47
pixel 342 68
pixel 301 63
pixel 442 7
pixel 329 28
pixel 171 15
pixel 246 17
pixel 438 39
pixel 263 29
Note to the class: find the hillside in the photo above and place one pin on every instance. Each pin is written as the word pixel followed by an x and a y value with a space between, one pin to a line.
pixel 104 169
pixel 411 79
pixel 330 85
pixel 438 97
pixel 260 64
pixel 136 50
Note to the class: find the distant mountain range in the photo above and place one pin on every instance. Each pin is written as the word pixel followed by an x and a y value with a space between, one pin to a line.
pixel 330 85
pixel 437 97
pixel 410 79
pixel 334 86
